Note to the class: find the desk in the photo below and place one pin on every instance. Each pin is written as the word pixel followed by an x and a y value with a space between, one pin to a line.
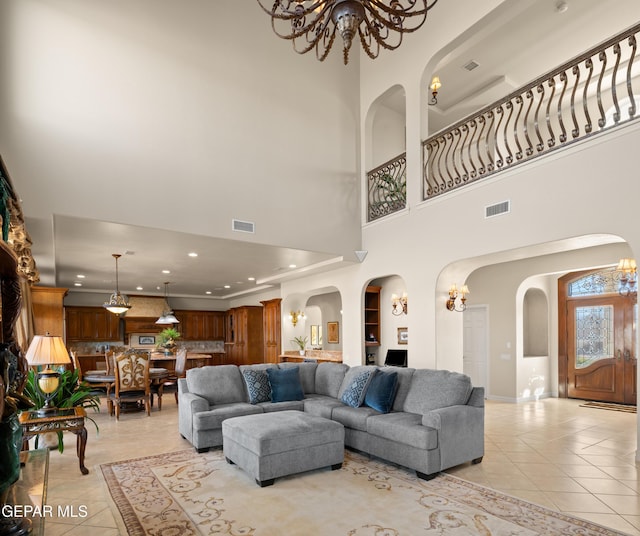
pixel 60 420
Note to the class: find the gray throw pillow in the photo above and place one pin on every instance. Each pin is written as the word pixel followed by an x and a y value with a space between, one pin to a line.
pixel 258 386
pixel 354 393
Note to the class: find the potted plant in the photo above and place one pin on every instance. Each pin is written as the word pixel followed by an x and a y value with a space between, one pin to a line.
pixel 301 343
pixel 167 340
pixel 71 393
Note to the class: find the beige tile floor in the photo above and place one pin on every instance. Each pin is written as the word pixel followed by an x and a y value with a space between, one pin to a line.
pixel 552 452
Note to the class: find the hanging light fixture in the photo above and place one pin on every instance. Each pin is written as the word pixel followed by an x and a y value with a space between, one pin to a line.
pixel 117 303
pixel 378 23
pixel 167 316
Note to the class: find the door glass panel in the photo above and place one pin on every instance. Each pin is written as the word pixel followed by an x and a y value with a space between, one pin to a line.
pixel 594 334
pixel 602 282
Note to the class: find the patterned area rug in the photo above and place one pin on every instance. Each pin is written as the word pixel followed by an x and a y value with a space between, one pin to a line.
pixel 189 494
pixel 608 405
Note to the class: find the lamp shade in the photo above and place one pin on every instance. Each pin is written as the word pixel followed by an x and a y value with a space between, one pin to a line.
pixel 47 350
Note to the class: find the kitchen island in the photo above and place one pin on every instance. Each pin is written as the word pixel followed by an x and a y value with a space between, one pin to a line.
pixel 321 356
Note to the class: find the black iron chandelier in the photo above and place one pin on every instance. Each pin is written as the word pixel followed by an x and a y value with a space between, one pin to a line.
pixel 313 23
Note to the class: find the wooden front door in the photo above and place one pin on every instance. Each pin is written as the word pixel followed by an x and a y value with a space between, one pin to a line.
pixel 599 343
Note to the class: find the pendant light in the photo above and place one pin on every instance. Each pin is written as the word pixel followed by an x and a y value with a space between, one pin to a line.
pixel 167 316
pixel 117 303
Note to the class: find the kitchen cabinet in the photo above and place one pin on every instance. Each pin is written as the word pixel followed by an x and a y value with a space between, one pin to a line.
pixel 245 341
pixel 91 324
pixel 201 325
pixel 48 310
pixel 271 328
pixel 142 324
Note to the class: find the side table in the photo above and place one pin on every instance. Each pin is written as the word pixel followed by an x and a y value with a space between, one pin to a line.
pixel 60 420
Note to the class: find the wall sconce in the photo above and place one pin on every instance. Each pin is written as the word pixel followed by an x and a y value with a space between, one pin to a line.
pixel 295 316
pixel 454 293
pixel 435 86
pixel 399 304
pixel 628 277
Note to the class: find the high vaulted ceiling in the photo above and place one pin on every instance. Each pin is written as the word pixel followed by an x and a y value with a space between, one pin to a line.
pixel 513 48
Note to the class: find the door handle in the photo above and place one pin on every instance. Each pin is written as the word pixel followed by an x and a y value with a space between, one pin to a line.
pixel 627 355
pixel 619 354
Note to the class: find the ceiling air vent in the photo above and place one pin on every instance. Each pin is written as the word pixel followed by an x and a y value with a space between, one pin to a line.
pixel 471 65
pixel 497 209
pixel 243 226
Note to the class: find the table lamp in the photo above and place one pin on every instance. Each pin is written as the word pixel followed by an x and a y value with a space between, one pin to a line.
pixel 47 350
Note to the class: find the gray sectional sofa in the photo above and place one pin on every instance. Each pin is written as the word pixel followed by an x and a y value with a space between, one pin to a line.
pixel 426 420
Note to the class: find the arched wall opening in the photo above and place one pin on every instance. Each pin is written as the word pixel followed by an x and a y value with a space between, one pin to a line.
pixel 500 283
pixel 392 323
pixel 318 307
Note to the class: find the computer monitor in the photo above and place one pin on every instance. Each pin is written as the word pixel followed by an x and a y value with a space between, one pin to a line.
pixel 396 358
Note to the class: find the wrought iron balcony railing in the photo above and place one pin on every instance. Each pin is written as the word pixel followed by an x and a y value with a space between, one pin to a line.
pixel 387 188
pixel 569 104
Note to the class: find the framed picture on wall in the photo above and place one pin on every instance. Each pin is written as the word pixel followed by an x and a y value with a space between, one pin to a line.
pixel 333 333
pixel 403 335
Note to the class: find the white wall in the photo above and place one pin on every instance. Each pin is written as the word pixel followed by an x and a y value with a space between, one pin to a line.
pixel 177 115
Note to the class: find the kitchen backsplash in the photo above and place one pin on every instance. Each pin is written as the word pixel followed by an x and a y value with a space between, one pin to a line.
pixel 204 347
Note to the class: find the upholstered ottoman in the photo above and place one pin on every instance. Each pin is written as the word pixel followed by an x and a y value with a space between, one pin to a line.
pixel 281 443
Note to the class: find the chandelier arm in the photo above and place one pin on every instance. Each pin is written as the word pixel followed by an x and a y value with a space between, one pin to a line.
pixel 399 16
pixel 301 27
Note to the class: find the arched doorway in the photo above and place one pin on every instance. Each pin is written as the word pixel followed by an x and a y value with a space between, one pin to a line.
pixel 597 354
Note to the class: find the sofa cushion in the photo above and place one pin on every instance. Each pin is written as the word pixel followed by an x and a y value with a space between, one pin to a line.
pixel 321 406
pixel 403 428
pixel 270 407
pixel 258 386
pixel 329 377
pixel 285 384
pixel 307 373
pixel 220 384
pixel 355 384
pixel 382 391
pixel 404 383
pixel 354 418
pixel 433 389
pixel 212 419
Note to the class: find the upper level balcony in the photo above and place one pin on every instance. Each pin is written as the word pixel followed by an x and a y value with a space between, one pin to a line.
pixel 586 96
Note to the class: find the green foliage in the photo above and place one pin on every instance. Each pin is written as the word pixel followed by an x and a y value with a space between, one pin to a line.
pixel 168 338
pixel 300 342
pixel 71 393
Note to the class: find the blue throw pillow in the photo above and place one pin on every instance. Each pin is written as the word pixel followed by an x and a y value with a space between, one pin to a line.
pixel 382 391
pixel 354 393
pixel 285 384
pixel 258 386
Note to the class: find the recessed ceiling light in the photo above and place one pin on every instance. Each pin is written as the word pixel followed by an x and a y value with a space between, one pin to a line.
pixel 292 266
pixel 139 288
pixel 227 286
pixel 193 254
pixel 208 292
pixel 77 284
pixel 251 278
pixel 80 276
pixel 166 271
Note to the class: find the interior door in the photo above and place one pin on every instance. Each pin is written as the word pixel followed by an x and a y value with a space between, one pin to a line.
pixel 601 349
pixel 474 345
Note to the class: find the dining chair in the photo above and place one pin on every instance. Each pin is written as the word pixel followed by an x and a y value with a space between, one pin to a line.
pixel 171 382
pixel 98 379
pixel 132 383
